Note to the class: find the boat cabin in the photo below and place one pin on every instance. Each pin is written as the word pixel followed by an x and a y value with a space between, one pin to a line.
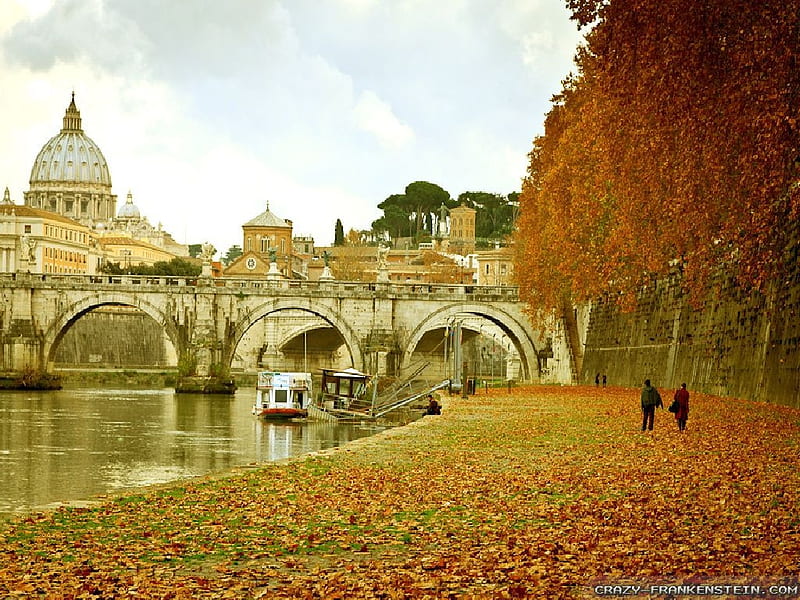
pixel 282 395
pixel 344 390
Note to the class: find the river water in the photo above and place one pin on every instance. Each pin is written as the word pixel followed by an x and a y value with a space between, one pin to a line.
pixel 73 444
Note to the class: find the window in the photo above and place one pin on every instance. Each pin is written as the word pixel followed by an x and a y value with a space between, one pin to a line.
pixel 27 228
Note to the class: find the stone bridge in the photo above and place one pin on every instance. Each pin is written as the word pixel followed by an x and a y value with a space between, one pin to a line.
pixel 382 325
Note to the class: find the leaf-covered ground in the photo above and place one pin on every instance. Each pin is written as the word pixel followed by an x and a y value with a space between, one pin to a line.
pixel 541 493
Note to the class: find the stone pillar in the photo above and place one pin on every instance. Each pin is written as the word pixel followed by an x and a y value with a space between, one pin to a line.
pixel 205 352
pixel 326 274
pixel 273 272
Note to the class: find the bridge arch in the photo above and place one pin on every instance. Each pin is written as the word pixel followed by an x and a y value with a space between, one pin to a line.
pixel 67 316
pixel 318 309
pixel 511 326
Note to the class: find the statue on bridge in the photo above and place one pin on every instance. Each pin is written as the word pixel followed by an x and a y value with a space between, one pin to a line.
pixel 207 252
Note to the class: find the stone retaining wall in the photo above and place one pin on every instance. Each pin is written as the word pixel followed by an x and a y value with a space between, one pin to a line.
pixel 745 348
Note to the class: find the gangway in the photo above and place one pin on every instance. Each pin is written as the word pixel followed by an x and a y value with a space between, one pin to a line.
pixel 387 408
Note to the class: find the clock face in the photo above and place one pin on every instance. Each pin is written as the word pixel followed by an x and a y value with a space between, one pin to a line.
pixel 251 263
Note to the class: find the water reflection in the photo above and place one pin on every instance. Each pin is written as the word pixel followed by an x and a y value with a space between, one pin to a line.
pixel 72 444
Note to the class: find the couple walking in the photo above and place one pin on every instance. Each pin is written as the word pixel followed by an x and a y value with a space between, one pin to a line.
pixel 651 399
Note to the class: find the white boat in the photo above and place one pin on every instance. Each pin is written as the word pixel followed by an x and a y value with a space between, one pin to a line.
pixel 282 395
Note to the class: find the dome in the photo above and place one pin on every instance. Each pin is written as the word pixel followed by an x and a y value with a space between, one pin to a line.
pixel 129 210
pixel 71 156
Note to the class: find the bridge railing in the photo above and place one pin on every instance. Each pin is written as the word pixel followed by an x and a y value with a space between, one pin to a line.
pixel 256 285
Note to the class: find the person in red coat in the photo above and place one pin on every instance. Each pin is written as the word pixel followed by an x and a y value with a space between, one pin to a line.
pixel 682 398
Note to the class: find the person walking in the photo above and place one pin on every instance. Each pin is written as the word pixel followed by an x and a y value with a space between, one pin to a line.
pixel 682 398
pixel 650 400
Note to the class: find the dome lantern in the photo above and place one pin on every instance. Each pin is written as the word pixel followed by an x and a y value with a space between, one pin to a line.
pixel 72 118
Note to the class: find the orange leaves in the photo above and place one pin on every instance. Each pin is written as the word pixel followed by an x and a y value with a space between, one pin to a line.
pixel 675 143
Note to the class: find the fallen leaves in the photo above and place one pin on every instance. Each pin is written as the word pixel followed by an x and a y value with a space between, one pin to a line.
pixel 535 493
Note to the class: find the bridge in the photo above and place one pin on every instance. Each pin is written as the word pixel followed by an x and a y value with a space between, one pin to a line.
pixel 384 326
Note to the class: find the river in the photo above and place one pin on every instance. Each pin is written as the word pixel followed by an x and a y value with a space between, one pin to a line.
pixel 72 444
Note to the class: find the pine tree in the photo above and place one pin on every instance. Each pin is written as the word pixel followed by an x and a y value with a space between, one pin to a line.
pixel 338 236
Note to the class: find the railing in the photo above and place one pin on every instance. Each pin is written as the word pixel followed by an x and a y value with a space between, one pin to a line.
pixel 328 288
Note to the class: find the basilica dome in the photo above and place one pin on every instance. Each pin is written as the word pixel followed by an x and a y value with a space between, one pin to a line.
pixel 129 210
pixel 71 156
pixel 70 176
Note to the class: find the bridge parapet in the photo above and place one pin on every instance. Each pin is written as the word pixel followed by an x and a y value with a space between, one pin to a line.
pixel 266 287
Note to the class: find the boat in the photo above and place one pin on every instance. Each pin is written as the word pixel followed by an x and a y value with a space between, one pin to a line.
pixel 282 395
pixel 346 395
pixel 343 396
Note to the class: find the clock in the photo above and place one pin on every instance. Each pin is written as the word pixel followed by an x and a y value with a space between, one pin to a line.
pixel 250 263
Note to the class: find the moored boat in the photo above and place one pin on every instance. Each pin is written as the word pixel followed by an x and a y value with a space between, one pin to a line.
pixel 343 396
pixel 350 395
pixel 282 395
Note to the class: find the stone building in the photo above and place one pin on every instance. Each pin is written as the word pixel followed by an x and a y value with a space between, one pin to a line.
pixel 495 267
pixel 39 241
pixel 266 237
pixel 129 222
pixel 127 251
pixel 461 239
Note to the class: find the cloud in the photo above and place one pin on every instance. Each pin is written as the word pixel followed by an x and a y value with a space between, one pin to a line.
pixel 208 109
pixel 376 117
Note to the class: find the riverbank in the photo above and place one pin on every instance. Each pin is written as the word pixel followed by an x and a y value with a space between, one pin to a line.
pixel 544 492
pixel 145 378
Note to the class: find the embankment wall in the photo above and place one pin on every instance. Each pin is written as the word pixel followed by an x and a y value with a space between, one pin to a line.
pixel 115 337
pixel 730 346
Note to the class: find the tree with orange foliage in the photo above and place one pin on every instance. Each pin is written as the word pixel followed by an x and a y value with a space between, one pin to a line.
pixel 674 147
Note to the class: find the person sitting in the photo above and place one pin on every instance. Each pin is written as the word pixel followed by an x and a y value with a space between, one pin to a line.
pixel 433 406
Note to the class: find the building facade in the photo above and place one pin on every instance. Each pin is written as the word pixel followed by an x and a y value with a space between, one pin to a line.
pixel 39 241
pixel 266 238
pixel 462 230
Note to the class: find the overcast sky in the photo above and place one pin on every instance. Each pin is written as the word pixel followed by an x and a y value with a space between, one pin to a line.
pixel 207 110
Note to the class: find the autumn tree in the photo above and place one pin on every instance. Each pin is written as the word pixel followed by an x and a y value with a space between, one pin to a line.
pixel 674 147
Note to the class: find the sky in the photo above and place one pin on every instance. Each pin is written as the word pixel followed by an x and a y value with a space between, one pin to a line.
pixel 208 111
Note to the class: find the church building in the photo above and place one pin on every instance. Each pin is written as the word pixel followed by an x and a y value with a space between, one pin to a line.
pixel 68 222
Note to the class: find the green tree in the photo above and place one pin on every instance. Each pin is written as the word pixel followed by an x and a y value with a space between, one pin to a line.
pixel 195 250
pixel 395 221
pixel 424 199
pixel 232 254
pixel 495 213
pixel 338 234
pixel 177 267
